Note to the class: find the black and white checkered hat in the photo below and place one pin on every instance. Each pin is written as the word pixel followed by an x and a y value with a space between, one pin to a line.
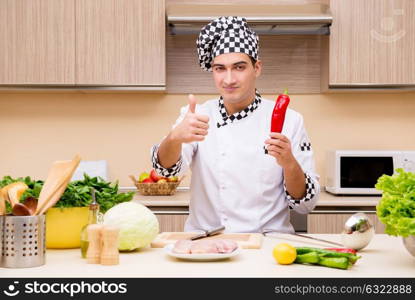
pixel 225 35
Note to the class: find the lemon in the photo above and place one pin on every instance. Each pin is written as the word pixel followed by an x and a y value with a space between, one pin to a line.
pixel 284 253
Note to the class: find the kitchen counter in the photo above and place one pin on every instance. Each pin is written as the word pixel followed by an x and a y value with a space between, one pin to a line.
pixel 385 256
pixel 182 196
pixel 328 216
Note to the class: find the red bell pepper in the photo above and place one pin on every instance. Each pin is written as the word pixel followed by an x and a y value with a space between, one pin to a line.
pixel 343 250
pixel 278 114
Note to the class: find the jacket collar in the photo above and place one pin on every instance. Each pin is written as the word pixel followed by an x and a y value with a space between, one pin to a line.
pixel 226 119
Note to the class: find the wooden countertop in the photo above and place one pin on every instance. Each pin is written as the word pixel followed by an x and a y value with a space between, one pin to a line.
pixel 385 256
pixel 181 198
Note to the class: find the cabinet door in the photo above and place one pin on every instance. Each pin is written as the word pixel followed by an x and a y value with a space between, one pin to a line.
pixel 171 222
pixel 334 223
pixel 120 42
pixel 372 42
pixel 37 42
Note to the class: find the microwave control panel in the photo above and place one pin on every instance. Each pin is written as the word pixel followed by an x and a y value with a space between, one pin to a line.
pixel 408 161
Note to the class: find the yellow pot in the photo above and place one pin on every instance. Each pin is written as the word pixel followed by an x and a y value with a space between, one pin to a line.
pixel 64 225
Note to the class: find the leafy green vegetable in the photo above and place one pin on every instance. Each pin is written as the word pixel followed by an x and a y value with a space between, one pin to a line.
pixel 396 209
pixel 138 225
pixel 33 191
pixel 34 185
pixel 77 193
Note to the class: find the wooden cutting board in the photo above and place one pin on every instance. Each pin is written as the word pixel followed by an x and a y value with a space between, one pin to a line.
pixel 244 240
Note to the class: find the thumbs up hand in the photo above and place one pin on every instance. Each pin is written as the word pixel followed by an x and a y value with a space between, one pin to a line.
pixel 194 127
pixel 192 103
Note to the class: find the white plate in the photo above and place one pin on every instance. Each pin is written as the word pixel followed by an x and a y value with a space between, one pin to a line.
pixel 200 257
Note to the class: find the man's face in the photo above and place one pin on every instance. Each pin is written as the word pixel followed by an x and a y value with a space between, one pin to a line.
pixel 234 76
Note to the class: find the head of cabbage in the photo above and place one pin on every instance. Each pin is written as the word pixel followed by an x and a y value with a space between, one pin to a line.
pixel 138 225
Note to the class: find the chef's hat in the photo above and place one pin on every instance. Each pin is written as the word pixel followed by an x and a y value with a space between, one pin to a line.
pixel 225 35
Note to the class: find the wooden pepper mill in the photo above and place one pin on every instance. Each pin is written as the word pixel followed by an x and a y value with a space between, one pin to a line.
pixel 93 254
pixel 109 252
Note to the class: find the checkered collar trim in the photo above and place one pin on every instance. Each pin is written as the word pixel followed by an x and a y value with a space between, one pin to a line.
pixel 226 119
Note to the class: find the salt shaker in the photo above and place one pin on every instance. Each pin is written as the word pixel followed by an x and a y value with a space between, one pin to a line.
pixel 109 252
pixel 93 254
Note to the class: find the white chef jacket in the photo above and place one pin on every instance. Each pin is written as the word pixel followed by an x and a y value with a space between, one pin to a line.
pixel 234 182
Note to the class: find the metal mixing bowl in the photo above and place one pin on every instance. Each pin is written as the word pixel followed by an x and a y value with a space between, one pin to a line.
pixel 409 243
pixel 358 231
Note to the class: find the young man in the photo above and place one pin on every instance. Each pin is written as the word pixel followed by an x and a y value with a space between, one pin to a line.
pixel 243 176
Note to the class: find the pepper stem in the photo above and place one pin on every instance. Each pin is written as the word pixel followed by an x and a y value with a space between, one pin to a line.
pixel 286 91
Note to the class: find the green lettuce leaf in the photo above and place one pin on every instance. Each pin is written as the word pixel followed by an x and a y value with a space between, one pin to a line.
pixel 396 209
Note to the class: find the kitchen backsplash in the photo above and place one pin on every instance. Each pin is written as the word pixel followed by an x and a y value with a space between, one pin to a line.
pixel 37 129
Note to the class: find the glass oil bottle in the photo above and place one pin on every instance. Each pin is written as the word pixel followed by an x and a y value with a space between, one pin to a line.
pixel 92 219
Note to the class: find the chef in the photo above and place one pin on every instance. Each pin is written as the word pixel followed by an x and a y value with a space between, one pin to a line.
pixel 243 176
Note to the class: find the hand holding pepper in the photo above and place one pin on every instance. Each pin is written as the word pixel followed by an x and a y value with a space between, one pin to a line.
pixel 279 146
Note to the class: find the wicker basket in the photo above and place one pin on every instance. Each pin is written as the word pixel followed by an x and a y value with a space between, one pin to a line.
pixel 156 189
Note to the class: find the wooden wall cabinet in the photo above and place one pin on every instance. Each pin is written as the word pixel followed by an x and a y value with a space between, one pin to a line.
pixel 82 43
pixel 334 222
pixel 37 42
pixel 372 43
pixel 120 42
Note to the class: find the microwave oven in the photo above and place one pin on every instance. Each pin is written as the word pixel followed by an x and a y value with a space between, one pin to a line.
pixel 355 172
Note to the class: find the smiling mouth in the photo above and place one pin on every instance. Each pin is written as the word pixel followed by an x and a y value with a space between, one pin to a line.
pixel 230 89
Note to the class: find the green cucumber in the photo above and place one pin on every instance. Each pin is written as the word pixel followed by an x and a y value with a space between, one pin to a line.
pixel 334 262
pixel 352 258
pixel 307 258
